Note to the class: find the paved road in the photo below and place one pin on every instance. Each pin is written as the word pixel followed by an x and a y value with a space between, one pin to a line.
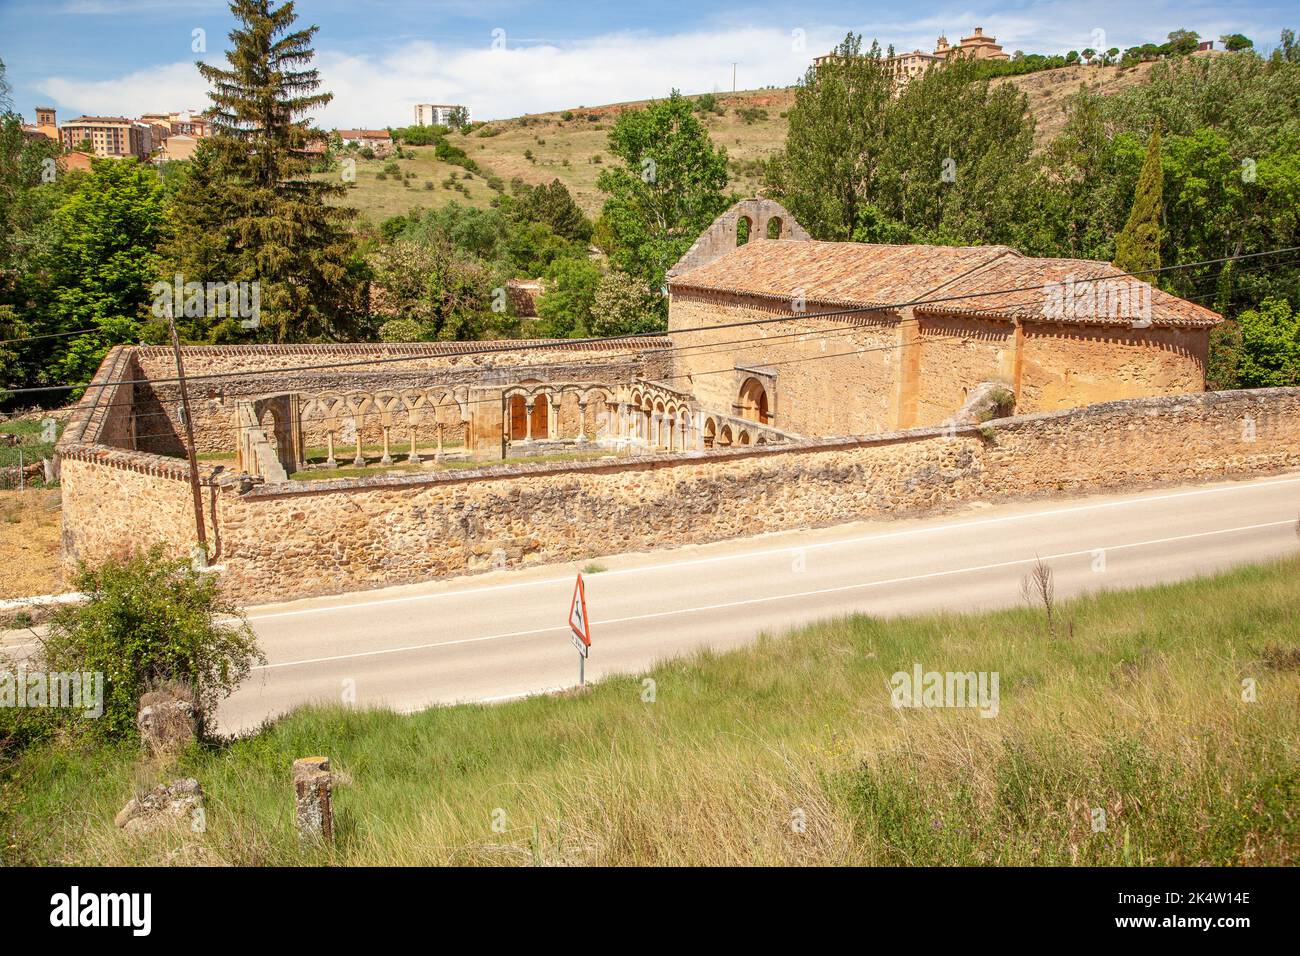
pixel 496 636
pixel 500 635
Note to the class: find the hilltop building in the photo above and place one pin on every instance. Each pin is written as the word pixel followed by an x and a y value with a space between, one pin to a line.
pixel 907 66
pixel 438 114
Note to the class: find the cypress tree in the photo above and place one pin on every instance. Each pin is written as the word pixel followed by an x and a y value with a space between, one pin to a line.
pixel 1137 246
pixel 247 210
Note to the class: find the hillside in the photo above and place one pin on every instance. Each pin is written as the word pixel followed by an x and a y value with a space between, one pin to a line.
pixel 575 149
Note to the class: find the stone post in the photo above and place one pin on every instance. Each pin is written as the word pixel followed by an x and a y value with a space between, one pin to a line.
pixel 553 416
pixel 329 456
pixel 312 786
pixel 582 423
pixel 528 421
pixel 359 461
pixel 387 459
pixel 437 456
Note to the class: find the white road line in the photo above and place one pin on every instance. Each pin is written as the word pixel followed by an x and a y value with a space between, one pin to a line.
pixel 782 597
pixel 787 549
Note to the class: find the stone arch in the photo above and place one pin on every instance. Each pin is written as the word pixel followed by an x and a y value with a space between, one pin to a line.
pixel 775 227
pixel 710 433
pixel 744 230
pixel 724 439
pixel 753 401
pixel 743 437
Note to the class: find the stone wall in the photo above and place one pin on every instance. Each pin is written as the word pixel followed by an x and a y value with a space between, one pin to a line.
pixel 816 393
pixel 297 539
pixel 872 372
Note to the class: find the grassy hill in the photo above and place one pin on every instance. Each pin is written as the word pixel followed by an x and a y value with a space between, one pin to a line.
pixel 786 752
pixel 571 145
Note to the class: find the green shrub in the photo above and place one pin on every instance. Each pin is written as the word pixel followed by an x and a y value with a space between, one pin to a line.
pixel 149 619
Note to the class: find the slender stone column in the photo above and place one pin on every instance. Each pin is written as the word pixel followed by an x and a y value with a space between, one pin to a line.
pixel 387 459
pixel 414 421
pixel 329 454
pixel 528 421
pixel 437 456
pixel 672 432
pixel 582 423
pixel 359 460
pixel 553 416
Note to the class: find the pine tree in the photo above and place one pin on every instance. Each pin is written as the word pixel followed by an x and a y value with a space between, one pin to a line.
pixel 1137 246
pixel 248 211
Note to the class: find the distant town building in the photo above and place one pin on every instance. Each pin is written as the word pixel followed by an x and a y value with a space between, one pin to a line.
pixel 438 114
pixel 180 146
pixel 907 66
pixel 109 136
pixel 45 122
pixel 374 138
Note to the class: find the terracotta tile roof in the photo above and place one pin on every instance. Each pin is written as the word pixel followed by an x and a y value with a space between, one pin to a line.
pixel 1074 291
pixel 865 275
pixel 836 273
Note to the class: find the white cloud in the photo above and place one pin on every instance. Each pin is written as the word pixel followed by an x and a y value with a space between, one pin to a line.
pixel 380 90
pixel 376 89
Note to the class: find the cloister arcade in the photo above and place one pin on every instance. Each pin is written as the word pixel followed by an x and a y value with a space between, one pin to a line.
pixel 522 419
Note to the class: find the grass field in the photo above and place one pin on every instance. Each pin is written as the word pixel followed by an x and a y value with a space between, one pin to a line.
pixel 786 752
pixel 564 148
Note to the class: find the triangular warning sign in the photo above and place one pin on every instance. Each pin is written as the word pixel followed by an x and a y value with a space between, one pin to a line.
pixel 578 618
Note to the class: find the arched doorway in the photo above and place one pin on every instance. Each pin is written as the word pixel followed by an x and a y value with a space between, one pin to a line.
pixel 753 402
pixel 744 226
pixel 518 418
pixel 541 414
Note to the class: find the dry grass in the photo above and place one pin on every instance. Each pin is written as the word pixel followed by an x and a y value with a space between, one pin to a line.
pixel 788 752
pixel 29 542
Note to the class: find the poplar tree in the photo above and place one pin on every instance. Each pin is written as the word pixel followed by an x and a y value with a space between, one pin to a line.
pixel 1137 246
pixel 247 209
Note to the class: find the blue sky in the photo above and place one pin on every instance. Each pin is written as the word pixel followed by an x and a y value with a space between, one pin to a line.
pixel 379 58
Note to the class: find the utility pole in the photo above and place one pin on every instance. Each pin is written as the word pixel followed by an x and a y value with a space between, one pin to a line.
pixel 189 437
pixel 733 77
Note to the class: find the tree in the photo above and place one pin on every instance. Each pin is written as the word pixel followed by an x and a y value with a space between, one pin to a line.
pixel 952 167
pixel 102 263
pixel 569 293
pixel 836 135
pixel 550 204
pixel 1137 247
pixel 433 284
pixel 667 191
pixel 148 619
pixel 1182 42
pixel 1236 42
pixel 1270 346
pixel 623 306
pixel 273 223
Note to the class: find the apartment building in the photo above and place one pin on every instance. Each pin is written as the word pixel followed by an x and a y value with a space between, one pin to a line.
pixel 109 136
pixel 437 114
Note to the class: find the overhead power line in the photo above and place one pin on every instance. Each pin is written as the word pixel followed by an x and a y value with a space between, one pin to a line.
pixel 559 344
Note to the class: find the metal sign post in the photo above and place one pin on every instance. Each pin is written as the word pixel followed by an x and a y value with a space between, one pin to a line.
pixel 580 628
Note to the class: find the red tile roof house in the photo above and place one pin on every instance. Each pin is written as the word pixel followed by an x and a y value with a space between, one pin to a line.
pixel 912 330
pixel 376 139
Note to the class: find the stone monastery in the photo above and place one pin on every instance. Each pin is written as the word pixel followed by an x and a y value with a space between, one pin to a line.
pixel 799 382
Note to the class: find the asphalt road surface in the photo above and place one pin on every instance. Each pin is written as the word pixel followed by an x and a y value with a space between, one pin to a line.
pixel 505 634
